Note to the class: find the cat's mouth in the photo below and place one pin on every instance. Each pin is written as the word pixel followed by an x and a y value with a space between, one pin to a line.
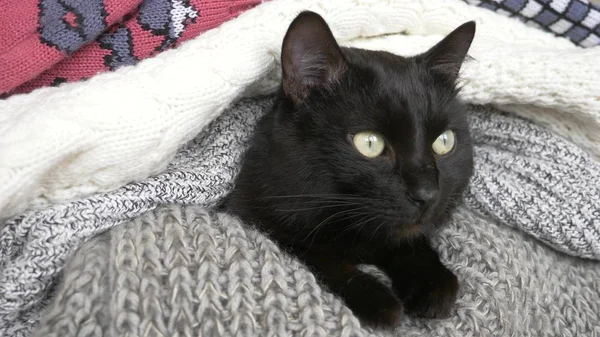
pixel 418 223
pixel 408 215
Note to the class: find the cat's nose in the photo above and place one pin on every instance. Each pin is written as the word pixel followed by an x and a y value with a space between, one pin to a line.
pixel 422 196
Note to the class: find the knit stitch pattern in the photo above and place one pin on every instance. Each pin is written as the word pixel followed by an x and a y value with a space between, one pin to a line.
pixel 577 20
pixel 76 40
pixel 530 179
pixel 49 42
pixel 60 144
pixel 180 271
pixel 35 246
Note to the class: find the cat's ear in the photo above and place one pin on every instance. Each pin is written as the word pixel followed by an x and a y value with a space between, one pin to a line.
pixel 446 57
pixel 310 57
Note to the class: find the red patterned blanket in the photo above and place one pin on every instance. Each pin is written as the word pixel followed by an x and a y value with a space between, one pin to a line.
pixel 48 42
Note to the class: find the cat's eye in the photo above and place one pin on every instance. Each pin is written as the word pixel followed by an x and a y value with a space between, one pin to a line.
pixel 444 143
pixel 369 143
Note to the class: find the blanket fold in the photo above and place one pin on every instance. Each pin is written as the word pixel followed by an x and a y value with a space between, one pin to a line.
pixel 530 179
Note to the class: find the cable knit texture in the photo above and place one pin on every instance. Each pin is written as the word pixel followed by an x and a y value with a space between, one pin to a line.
pixel 136 117
pixel 35 246
pixel 178 271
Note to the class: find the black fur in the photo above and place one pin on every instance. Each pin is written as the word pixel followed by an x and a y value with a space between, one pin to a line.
pixel 305 184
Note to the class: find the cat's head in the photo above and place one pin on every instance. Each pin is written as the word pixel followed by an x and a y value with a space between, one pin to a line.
pixel 371 131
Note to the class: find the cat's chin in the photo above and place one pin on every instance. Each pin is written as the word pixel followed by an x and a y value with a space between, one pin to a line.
pixel 408 231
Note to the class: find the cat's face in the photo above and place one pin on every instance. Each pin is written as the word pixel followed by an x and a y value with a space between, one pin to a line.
pixel 388 134
pixel 366 139
pixel 385 130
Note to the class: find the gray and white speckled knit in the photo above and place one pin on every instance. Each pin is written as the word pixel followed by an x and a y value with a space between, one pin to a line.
pixel 35 246
pixel 529 178
pixel 152 275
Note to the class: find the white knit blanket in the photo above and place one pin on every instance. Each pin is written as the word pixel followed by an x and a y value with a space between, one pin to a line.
pixel 58 144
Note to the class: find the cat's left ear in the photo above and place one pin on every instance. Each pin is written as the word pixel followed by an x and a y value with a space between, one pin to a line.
pixel 446 57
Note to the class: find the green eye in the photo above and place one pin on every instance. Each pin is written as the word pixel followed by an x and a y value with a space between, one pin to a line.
pixel 369 143
pixel 444 143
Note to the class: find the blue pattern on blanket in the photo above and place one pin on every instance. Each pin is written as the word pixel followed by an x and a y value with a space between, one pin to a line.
pixel 577 20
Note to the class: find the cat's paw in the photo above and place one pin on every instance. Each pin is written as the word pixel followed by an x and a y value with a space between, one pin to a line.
pixel 430 293
pixel 372 302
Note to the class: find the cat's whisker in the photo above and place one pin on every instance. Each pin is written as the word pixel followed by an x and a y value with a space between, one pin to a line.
pixel 345 197
pixel 361 220
pixel 319 203
pixel 317 227
pixel 306 208
pixel 297 206
pixel 374 233
pixel 352 213
pixel 362 226
pixel 357 225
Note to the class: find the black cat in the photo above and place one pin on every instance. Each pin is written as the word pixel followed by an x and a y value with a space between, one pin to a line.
pixel 364 154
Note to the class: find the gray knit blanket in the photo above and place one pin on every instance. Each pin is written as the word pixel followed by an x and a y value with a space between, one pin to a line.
pixel 172 268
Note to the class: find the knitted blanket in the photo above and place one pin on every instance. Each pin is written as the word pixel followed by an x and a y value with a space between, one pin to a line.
pixel 577 20
pixel 154 108
pixel 143 114
pixel 183 271
pixel 48 42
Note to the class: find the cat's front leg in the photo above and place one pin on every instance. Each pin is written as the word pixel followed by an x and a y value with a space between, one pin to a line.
pixel 426 287
pixel 369 299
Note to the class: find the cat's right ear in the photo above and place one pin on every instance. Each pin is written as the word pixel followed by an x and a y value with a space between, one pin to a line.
pixel 446 57
pixel 310 57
